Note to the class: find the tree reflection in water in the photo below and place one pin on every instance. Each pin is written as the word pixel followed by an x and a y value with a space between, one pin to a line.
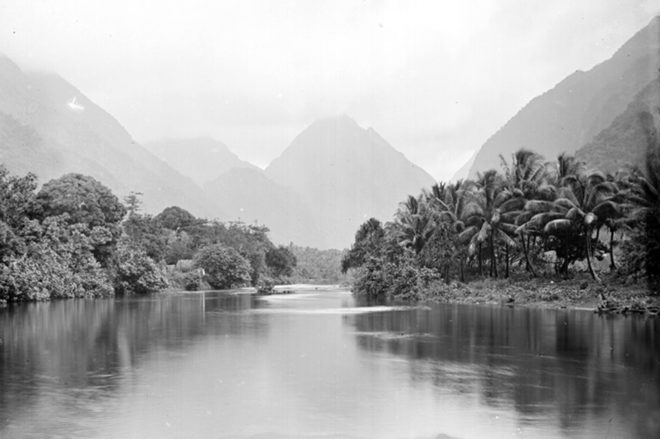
pixel 572 363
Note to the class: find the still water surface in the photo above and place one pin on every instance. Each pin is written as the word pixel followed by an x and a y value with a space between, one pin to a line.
pixel 314 364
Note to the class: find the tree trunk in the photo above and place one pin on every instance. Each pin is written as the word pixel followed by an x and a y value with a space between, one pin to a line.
pixel 528 265
pixel 591 268
pixel 492 255
pixel 481 269
pixel 506 246
pixel 461 270
pixel 612 264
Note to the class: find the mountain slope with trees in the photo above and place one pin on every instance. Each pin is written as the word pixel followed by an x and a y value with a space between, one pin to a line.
pixel 572 113
pixel 623 141
pixel 63 131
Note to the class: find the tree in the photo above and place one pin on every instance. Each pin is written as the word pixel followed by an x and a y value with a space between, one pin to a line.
pixel 83 198
pixel 133 203
pixel 281 261
pixel 175 218
pixel 85 201
pixel 224 267
pixel 369 241
pixel 416 223
pixel 135 272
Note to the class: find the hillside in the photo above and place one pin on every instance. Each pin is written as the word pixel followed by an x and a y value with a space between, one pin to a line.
pixel 49 127
pixel 346 174
pixel 624 141
pixel 578 108
pixel 246 194
pixel 201 159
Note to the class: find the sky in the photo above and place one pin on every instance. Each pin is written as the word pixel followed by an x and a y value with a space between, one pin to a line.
pixel 434 78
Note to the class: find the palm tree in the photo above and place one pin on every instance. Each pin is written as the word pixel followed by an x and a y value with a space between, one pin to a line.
pixel 527 178
pixel 415 223
pixel 586 204
pixel 448 203
pixel 489 216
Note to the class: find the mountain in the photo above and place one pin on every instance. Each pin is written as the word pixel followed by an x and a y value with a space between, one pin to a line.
pixel 202 159
pixel 624 141
pixel 346 174
pixel 578 108
pixel 49 127
pixel 464 171
pixel 247 194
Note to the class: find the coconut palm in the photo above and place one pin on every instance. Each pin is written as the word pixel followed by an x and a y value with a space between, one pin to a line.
pixel 415 223
pixel 448 203
pixel 489 216
pixel 586 203
pixel 527 178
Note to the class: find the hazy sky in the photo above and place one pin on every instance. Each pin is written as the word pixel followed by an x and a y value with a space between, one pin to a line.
pixel 435 78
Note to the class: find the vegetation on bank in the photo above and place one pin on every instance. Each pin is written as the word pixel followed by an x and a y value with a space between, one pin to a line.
pixel 536 220
pixel 75 238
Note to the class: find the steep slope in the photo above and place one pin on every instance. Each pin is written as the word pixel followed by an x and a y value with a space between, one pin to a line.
pixel 202 159
pixel 246 194
pixel 580 106
pixel 43 113
pixel 624 141
pixel 464 171
pixel 346 174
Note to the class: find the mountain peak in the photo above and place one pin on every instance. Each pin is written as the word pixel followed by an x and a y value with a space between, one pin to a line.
pixel 335 122
pixel 346 174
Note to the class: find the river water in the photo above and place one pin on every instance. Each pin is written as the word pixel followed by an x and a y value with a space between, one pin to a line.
pixel 315 364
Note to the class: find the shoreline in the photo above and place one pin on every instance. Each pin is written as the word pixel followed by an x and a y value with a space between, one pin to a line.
pixel 580 293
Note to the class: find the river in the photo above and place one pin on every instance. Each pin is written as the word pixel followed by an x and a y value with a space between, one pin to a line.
pixel 315 364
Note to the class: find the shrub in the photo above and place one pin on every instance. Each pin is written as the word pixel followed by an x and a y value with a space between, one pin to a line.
pixel 137 273
pixel 223 266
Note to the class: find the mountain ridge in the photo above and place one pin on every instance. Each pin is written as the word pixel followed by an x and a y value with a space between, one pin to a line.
pixel 570 114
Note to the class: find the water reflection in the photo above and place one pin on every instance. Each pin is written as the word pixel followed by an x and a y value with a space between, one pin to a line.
pixel 314 364
pixel 604 371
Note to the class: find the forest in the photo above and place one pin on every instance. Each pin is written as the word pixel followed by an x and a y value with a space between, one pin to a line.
pixel 74 238
pixel 531 219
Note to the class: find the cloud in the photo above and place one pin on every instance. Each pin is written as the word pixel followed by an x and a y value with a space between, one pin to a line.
pixel 435 78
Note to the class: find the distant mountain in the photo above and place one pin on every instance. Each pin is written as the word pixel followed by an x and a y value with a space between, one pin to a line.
pixel 49 127
pixel 464 170
pixel 248 195
pixel 346 174
pixel 624 141
pixel 579 107
pixel 202 159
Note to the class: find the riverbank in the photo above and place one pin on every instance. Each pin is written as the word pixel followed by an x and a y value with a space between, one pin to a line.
pixel 581 292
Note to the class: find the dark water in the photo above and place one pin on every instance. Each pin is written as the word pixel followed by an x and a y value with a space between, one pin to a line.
pixel 312 364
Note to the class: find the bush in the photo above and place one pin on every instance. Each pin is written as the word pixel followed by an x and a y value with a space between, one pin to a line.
pixel 189 281
pixel 223 266
pixel 400 281
pixel 44 275
pixel 137 273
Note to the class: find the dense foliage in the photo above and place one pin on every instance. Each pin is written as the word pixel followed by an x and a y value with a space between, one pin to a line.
pixel 223 266
pixel 74 238
pixel 532 217
pixel 317 266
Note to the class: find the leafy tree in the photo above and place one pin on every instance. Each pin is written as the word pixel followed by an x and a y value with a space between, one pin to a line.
pixel 224 266
pixel 281 261
pixel 175 218
pixel 83 198
pixel 369 240
pixel 85 201
pixel 145 233
pixel 136 273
